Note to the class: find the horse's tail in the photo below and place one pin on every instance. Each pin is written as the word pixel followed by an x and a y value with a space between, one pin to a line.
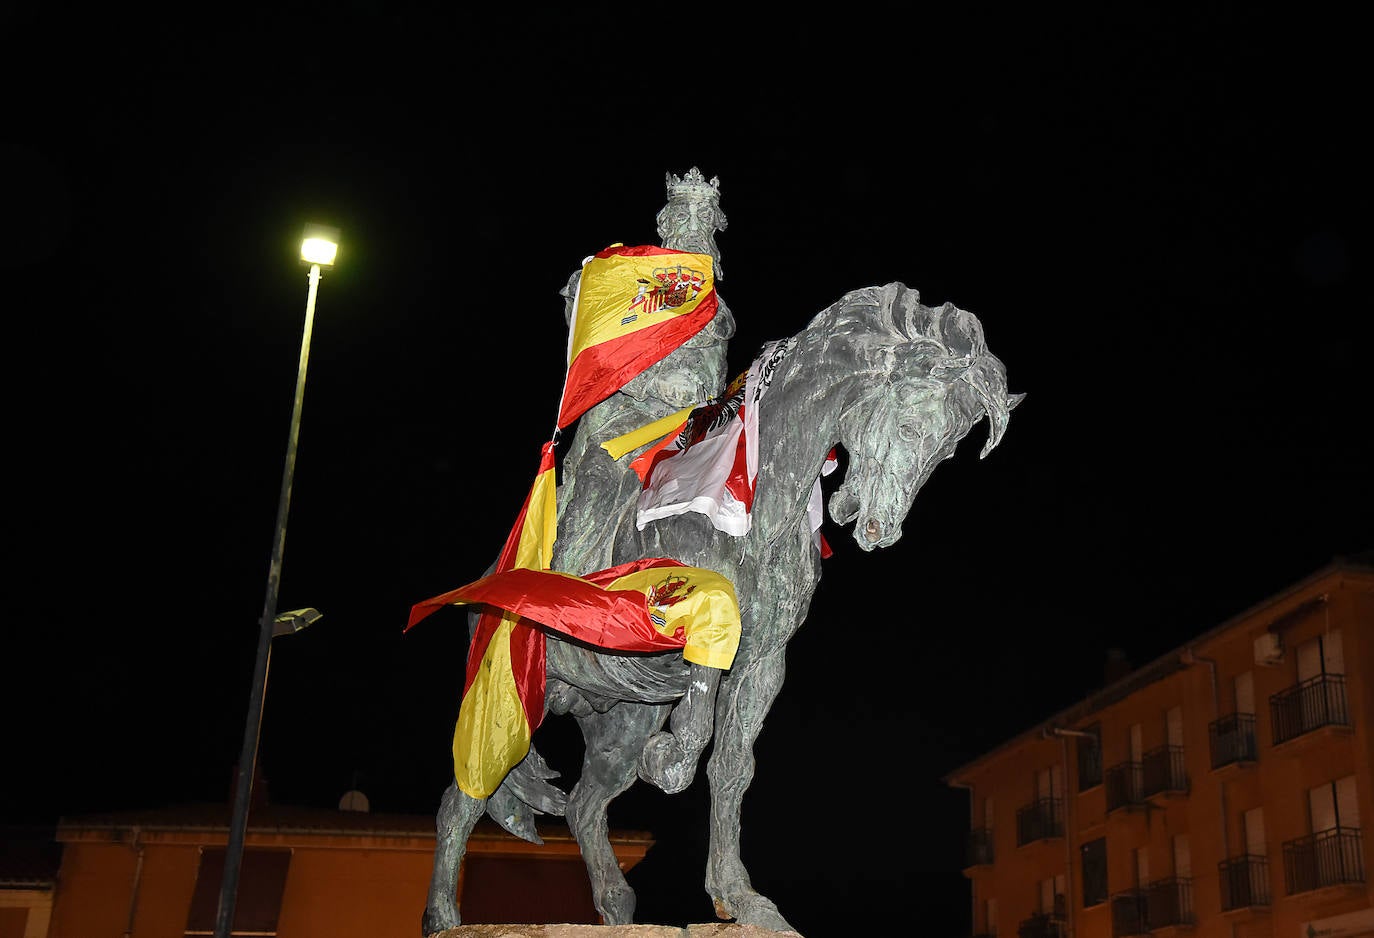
pixel 525 792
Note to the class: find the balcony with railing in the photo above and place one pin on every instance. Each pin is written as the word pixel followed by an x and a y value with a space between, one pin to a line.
pixel 978 848
pixel 1231 740
pixel 1129 914
pixel 1309 705
pixel 1164 903
pixel 1042 819
pixel 1244 882
pixel 1042 925
pixel 1169 902
pixel 1124 784
pixel 1328 858
pixel 1162 772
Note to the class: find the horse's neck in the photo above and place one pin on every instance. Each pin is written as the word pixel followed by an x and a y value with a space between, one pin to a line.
pixel 799 420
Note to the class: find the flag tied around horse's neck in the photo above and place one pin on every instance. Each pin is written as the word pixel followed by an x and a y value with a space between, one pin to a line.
pixel 634 307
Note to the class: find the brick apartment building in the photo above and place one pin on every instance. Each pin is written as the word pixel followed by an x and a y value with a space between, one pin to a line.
pixel 1216 792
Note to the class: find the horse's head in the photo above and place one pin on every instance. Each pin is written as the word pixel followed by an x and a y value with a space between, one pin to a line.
pixel 927 390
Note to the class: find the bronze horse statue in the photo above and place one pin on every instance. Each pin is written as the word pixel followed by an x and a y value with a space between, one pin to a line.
pixel 897 384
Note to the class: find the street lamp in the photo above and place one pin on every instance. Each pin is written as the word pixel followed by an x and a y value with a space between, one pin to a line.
pixel 318 249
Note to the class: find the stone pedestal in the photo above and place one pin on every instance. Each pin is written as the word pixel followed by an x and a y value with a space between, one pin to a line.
pixel 707 930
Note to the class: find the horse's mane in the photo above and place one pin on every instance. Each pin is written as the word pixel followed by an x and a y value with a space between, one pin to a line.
pixel 881 325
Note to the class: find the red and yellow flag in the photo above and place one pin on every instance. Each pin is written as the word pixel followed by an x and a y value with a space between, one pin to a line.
pixel 635 305
pixel 653 604
pixel 503 695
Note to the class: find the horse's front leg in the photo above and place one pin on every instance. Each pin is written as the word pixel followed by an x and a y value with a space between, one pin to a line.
pixel 744 700
pixel 614 740
pixel 669 760
pixel 458 814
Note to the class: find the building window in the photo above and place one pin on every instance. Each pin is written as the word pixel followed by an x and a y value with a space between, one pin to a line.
pixel 990 918
pixel 1332 854
pixel 262 879
pixel 1089 752
pixel 1093 857
pixel 1319 698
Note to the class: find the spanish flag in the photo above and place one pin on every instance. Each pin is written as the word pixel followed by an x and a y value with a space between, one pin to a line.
pixel 652 604
pixel 634 306
pixel 503 695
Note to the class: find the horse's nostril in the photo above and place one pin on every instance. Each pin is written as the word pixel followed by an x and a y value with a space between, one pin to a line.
pixel 873 530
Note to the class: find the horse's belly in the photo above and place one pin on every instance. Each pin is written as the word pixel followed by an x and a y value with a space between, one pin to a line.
pixel 638 678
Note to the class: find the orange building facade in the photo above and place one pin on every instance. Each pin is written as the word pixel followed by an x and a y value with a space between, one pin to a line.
pixel 1216 792
pixel 305 873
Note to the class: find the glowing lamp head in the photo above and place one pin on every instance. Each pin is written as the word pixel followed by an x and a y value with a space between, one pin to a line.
pixel 320 245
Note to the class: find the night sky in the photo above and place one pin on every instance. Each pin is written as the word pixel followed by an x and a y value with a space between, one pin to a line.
pixel 1159 220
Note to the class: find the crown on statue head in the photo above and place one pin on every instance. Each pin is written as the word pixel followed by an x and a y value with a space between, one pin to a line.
pixel 693 186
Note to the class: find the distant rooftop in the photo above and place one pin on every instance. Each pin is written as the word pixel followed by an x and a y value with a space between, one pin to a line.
pixel 29 857
pixel 294 819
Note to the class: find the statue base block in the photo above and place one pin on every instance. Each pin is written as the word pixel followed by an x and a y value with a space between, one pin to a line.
pixel 706 930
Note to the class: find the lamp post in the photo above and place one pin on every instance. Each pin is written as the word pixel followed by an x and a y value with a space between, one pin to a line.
pixel 318 249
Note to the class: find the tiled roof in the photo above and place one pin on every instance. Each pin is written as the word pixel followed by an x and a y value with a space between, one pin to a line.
pixel 304 820
pixel 29 857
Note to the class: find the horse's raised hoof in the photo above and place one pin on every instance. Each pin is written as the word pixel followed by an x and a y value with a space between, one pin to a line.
pixel 663 764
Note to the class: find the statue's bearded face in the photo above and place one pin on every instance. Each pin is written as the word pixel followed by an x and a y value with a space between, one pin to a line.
pixel 687 224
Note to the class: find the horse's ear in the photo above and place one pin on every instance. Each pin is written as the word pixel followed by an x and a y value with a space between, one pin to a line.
pixel 1014 399
pixel 903 305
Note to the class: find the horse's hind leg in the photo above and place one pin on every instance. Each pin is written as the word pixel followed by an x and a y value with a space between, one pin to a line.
pixel 613 741
pixel 458 813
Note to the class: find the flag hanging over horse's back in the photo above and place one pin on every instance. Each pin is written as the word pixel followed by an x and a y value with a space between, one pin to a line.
pixel 503 695
pixel 634 306
pixel 647 605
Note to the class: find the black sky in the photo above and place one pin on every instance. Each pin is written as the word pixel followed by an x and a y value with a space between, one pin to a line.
pixel 1160 220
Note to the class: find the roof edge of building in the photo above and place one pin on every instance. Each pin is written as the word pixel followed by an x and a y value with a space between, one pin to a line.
pixel 1166 664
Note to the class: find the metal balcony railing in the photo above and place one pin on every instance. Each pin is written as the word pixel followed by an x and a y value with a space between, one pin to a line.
pixel 1129 914
pixel 1169 902
pixel 978 848
pixel 1162 771
pixel 1041 819
pixel 1244 882
pixel 1316 702
pixel 1328 858
pixel 1231 739
pixel 1124 785
pixel 1161 904
pixel 1042 925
